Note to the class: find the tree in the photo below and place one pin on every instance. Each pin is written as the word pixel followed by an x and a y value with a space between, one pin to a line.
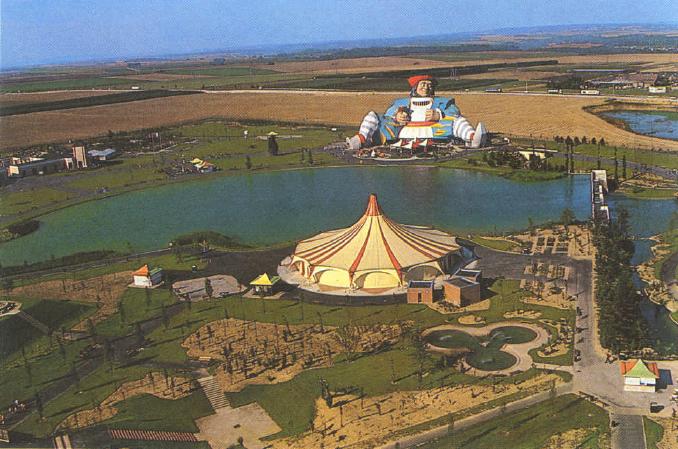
pixel 209 291
pixel 348 337
pixel 594 141
pixel 121 311
pixel 624 166
pixel 248 162
pixel 567 217
pixel 272 145
pixel 303 154
pixel 576 141
pixel 147 296
pixel 310 158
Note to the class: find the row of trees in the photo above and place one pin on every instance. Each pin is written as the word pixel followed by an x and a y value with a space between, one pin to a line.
pixel 569 141
pixel 622 327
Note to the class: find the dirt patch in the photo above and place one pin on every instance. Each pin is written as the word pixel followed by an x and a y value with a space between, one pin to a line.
pixel 265 353
pixel 670 433
pixel 153 383
pixel 567 440
pixel 105 291
pixel 471 319
pixel 369 422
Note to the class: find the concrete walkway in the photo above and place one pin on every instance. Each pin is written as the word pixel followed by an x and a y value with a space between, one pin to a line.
pixel 628 433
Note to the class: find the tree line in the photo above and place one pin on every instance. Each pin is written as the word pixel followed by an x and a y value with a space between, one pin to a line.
pixel 622 326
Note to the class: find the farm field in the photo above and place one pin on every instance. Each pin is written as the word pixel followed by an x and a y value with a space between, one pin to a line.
pixel 540 116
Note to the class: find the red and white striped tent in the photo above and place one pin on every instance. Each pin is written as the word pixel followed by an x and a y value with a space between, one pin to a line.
pixel 375 253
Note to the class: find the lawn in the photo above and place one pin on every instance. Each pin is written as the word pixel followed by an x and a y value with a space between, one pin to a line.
pixel 649 193
pixel 139 305
pixel 147 412
pixel 498 244
pixel 92 390
pixel 522 175
pixel 532 428
pixel 23 201
pixel 653 433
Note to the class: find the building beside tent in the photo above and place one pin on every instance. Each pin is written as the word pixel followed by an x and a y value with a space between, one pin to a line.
pixel 376 254
pixel 639 375
pixel 147 277
pixel 420 292
pixel 264 284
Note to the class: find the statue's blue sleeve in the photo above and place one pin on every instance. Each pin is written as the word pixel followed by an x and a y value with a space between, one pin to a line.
pixel 391 111
pixel 447 106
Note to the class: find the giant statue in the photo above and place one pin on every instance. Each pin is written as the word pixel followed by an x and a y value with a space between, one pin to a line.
pixel 418 121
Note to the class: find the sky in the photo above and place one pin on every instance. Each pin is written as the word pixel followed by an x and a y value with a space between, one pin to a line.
pixel 48 31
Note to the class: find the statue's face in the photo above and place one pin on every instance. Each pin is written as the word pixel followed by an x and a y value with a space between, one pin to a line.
pixel 424 88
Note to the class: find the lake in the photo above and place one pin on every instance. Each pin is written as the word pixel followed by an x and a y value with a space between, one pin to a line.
pixel 662 124
pixel 267 208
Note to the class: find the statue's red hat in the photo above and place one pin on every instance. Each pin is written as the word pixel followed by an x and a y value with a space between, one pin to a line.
pixel 414 80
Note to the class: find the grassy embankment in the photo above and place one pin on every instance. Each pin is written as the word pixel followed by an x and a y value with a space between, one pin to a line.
pixel 475 162
pixel 532 428
pixel 165 347
pixel 653 433
pixel 500 244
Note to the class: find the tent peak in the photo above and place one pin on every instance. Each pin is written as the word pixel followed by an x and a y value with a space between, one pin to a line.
pixel 373 208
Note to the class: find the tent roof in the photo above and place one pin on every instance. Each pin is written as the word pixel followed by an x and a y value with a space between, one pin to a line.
pixel 265 279
pixel 639 368
pixel 142 271
pixel 375 242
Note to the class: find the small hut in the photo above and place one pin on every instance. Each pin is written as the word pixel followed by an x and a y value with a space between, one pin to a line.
pixel 264 284
pixel 639 375
pixel 147 277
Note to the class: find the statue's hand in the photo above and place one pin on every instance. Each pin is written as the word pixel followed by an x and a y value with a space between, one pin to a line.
pixel 432 115
pixel 402 118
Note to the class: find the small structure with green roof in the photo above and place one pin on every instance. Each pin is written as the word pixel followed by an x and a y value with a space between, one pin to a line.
pixel 264 284
pixel 639 375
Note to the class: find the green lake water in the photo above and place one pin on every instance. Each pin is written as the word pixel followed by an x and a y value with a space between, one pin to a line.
pixel 273 207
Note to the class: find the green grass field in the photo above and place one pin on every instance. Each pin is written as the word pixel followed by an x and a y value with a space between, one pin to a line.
pixel 532 428
pixel 476 163
pixel 48 363
pixel 498 244
pixel 26 200
pixel 653 433
pixel 648 194
pixel 147 412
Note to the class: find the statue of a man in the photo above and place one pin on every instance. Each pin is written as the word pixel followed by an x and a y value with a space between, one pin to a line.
pixel 421 117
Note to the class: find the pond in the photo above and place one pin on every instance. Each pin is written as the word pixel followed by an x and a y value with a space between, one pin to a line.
pixel 663 124
pixel 485 352
pixel 275 207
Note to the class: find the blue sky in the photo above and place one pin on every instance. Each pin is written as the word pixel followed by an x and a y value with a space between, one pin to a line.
pixel 45 31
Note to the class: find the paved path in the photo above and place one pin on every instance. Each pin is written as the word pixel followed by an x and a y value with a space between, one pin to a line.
pixel 629 433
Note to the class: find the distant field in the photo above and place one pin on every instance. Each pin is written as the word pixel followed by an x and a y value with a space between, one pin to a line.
pixel 538 115
pixel 12 99
pixel 79 83
pixel 220 71
pixel 89 101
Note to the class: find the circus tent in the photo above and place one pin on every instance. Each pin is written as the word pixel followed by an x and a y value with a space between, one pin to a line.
pixel 376 252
